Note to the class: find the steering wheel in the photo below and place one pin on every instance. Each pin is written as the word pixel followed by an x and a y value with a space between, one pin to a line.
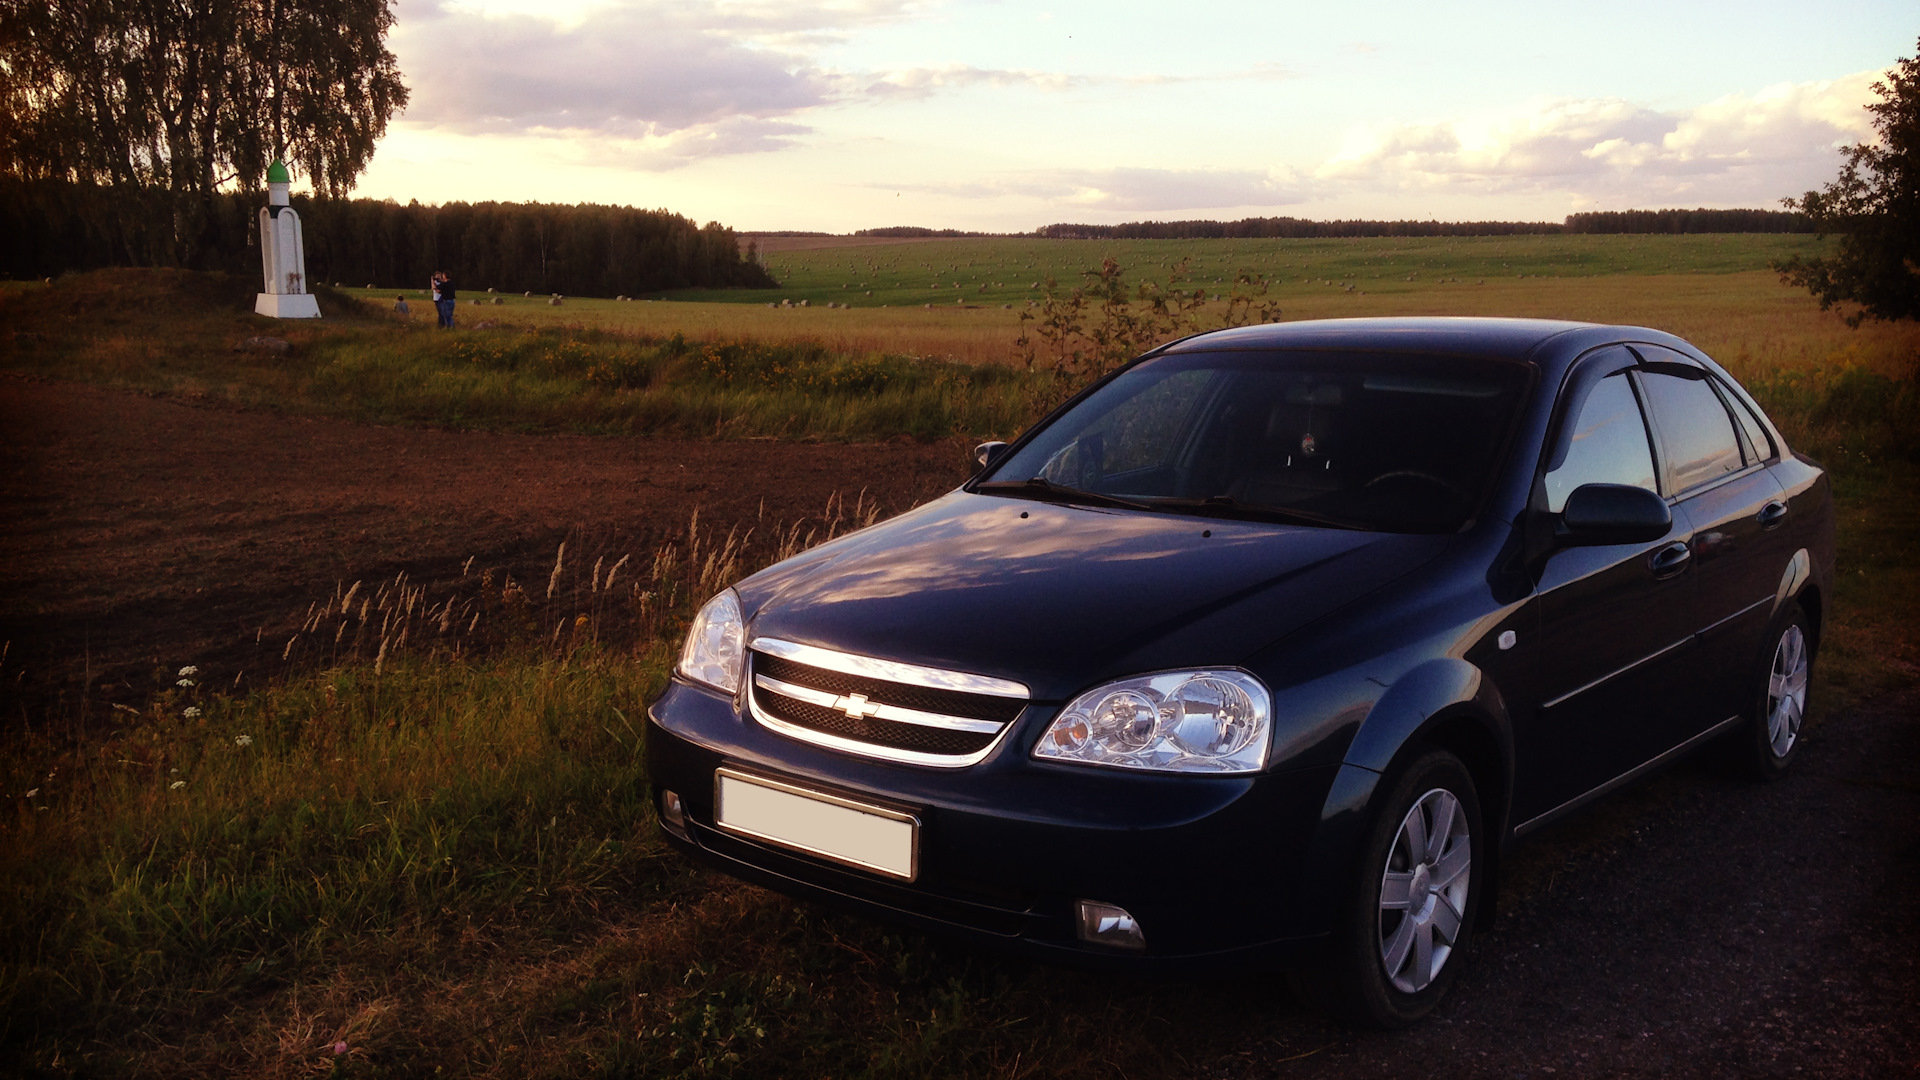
pixel 1415 474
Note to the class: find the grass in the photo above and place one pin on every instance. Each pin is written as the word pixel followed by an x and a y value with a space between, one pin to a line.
pixel 1682 281
pixel 433 847
pixel 183 334
pixel 1012 270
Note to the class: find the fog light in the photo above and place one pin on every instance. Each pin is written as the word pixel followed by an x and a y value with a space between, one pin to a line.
pixel 671 811
pixel 1107 924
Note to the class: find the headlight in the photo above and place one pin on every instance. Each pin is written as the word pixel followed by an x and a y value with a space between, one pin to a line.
pixel 1176 721
pixel 715 650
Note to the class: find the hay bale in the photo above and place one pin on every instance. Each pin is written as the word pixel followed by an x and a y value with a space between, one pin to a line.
pixel 555 301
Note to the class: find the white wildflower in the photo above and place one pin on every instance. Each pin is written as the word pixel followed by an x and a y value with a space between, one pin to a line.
pixel 243 740
pixel 184 682
pixel 189 670
pixel 32 793
pixel 192 712
pixel 176 785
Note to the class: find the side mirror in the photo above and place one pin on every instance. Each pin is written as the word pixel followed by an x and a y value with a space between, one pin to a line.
pixel 1612 514
pixel 989 452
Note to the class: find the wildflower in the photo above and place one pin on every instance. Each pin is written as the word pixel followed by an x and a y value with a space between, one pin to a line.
pixel 189 670
pixel 32 793
pixel 184 682
pixel 176 785
pixel 192 712
pixel 340 1047
pixel 243 740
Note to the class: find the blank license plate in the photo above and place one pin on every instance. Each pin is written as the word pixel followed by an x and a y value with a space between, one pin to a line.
pixel 870 837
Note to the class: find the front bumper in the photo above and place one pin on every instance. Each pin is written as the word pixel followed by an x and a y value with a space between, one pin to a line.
pixel 1216 870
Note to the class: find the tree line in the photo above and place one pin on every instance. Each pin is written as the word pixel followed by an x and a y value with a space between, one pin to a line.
pixel 52 227
pixel 1619 221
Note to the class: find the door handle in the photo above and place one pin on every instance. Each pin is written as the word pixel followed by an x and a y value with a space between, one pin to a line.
pixel 1772 514
pixel 1670 560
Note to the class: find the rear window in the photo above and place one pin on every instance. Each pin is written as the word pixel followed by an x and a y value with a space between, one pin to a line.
pixel 1385 441
pixel 1696 434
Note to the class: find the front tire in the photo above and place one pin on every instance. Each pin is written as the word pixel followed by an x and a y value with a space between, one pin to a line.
pixel 1406 923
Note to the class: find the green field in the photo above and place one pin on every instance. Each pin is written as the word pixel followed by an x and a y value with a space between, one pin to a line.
pixel 993 271
pixel 952 272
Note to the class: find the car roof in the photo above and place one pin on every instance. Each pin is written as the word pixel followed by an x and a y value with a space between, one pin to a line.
pixel 1514 339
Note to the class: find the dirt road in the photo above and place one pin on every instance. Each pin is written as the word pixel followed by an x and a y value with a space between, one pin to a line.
pixel 143 533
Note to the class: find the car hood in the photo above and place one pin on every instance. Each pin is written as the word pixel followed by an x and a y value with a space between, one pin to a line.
pixel 1059 597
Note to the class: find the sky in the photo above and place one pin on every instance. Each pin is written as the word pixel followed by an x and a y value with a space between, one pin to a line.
pixel 836 115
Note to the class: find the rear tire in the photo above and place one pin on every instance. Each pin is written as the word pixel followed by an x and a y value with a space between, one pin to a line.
pixel 1402 933
pixel 1770 740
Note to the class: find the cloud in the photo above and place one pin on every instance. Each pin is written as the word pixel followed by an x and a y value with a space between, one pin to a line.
pixel 1131 190
pixel 625 70
pixel 922 82
pixel 1741 146
pixel 667 83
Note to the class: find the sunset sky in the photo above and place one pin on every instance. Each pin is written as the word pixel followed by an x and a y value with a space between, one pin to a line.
pixel 1006 116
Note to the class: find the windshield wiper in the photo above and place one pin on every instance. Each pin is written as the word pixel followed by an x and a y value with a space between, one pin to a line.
pixel 1228 507
pixel 1045 490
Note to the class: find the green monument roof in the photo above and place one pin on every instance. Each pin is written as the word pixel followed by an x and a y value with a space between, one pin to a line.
pixel 277 173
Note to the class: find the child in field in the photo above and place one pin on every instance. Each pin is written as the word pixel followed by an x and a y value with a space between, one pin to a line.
pixel 400 306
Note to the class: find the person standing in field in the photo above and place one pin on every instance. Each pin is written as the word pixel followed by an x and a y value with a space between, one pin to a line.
pixel 433 286
pixel 400 306
pixel 447 300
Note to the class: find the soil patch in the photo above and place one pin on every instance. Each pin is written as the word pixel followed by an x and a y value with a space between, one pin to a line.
pixel 145 533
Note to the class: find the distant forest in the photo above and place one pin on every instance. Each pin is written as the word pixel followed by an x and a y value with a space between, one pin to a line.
pixel 1613 221
pixel 918 231
pixel 49 228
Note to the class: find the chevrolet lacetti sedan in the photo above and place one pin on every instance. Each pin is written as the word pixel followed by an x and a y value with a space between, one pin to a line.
pixel 1261 650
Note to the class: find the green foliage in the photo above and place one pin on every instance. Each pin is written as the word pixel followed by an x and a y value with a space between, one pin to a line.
pixel 1097 327
pixel 1608 221
pixel 1875 207
pixel 57 226
pixel 135 95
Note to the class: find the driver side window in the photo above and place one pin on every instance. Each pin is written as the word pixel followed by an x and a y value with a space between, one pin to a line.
pixel 1609 444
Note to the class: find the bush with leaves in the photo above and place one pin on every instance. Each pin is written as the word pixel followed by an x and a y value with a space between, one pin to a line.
pixel 1081 334
pixel 1875 207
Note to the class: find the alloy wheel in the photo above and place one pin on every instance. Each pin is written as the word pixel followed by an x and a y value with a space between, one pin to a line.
pixel 1787 691
pixel 1423 893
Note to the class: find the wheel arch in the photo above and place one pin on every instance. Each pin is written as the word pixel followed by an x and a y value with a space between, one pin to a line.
pixel 1810 598
pixel 1450 704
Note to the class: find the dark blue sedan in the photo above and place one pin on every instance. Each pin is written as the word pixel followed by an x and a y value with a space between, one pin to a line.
pixel 1262 649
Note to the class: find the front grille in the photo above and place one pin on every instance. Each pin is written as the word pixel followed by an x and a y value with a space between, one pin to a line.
pixel 919 698
pixel 868 729
pixel 930 725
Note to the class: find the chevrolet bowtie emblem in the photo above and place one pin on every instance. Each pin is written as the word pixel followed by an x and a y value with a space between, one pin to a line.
pixel 856 706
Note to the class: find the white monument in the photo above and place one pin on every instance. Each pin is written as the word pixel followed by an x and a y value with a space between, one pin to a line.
pixel 283 254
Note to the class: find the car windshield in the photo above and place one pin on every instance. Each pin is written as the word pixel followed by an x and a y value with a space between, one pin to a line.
pixel 1356 440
